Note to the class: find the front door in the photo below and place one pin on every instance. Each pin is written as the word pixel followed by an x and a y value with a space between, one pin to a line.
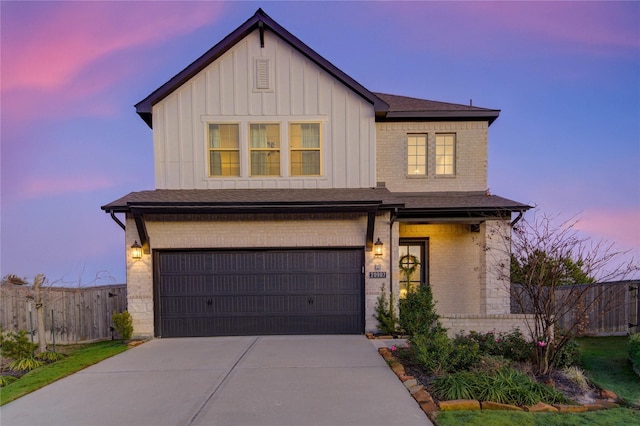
pixel 413 264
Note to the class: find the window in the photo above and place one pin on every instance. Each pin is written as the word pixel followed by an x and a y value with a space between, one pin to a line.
pixel 264 142
pixel 414 262
pixel 445 154
pixel 224 154
pixel 304 140
pixel 417 155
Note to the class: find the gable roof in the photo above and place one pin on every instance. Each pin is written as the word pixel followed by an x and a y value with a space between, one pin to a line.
pixel 259 21
pixel 406 108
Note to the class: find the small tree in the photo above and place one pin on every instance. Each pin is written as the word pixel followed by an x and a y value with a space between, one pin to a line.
pixel 385 313
pixel 545 256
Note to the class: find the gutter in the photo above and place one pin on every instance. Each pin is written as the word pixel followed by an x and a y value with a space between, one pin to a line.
pixel 113 216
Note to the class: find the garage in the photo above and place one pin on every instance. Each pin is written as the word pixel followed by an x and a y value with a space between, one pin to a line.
pixel 259 292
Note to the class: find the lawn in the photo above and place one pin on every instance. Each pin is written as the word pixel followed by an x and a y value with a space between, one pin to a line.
pixel 79 357
pixel 606 362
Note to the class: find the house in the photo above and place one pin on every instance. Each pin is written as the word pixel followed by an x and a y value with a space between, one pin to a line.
pixel 287 194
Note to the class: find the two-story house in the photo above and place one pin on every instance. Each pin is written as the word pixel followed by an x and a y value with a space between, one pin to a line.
pixel 287 194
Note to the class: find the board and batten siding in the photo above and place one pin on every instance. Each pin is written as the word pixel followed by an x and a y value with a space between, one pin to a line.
pixel 299 91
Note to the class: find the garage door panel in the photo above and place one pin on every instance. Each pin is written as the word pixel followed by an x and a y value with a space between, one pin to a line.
pixel 260 292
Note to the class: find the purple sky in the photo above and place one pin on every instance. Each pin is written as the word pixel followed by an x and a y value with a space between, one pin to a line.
pixel 565 75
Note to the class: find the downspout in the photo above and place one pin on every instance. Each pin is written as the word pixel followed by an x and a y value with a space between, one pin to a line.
pixel 394 215
pixel 113 216
pixel 517 219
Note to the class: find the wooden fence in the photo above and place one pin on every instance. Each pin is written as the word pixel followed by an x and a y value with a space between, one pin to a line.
pixel 610 308
pixel 74 314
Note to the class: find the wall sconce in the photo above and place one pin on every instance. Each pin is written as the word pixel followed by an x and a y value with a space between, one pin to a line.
pixel 136 251
pixel 377 248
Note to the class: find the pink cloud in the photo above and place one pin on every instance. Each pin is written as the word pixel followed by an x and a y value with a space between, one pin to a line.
pixel 621 227
pixel 492 26
pixel 47 47
pixel 57 185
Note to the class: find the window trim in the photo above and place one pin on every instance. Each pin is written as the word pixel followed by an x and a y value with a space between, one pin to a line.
pixel 426 156
pixel 210 149
pixel 301 149
pixel 251 150
pixel 436 156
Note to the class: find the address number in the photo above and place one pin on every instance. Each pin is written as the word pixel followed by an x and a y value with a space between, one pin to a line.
pixel 377 274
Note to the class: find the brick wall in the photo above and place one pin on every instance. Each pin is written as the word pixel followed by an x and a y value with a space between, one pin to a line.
pixel 471 156
pixel 459 323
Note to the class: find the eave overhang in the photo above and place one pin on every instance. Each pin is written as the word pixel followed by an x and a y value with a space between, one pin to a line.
pixel 262 22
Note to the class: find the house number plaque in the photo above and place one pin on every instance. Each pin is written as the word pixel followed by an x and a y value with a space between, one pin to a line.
pixel 377 274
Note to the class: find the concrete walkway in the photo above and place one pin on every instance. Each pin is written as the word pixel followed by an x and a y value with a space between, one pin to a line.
pixel 275 380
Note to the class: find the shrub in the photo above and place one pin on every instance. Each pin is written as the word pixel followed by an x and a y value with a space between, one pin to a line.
pixel 50 356
pixel 576 375
pixel 26 364
pixel 123 324
pixel 507 386
pixel 634 352
pixel 439 355
pixel 490 364
pixel 418 313
pixel 16 345
pixel 6 380
pixel 512 345
pixel 568 355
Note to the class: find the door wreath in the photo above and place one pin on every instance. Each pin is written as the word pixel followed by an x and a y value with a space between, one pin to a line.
pixel 408 264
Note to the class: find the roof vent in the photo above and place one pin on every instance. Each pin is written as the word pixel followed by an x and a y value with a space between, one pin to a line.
pixel 262 74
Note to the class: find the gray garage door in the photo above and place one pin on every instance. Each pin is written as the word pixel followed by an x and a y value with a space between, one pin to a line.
pixel 212 293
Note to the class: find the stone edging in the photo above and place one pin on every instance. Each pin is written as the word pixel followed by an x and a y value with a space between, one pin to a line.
pixel 429 406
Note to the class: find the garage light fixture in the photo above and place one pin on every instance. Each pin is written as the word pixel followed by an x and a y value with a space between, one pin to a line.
pixel 377 248
pixel 136 250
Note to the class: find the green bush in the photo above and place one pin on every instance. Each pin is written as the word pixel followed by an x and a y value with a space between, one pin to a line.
pixel 26 364
pixel 633 348
pixel 418 313
pixel 16 345
pixel 490 364
pixel 512 345
pixel 439 355
pixel 6 380
pixel 50 356
pixel 507 386
pixel 123 324
pixel 568 355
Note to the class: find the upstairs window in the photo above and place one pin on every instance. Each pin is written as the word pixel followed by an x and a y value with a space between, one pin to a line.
pixel 304 142
pixel 445 154
pixel 417 155
pixel 264 143
pixel 224 150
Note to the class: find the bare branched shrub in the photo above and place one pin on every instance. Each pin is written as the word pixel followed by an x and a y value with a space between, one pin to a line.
pixel 545 257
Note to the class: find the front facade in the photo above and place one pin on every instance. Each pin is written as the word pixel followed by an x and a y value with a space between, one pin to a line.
pixel 287 194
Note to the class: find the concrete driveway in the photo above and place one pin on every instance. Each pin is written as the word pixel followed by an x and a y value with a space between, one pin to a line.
pixel 275 380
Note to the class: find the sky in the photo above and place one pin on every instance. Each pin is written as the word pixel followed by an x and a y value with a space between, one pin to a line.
pixel 565 75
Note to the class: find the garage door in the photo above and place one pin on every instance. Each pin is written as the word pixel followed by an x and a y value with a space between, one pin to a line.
pixel 259 292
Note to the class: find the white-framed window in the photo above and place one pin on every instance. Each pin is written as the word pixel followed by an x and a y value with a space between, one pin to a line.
pixel 305 149
pixel 445 164
pixel 264 149
pixel 224 150
pixel 417 155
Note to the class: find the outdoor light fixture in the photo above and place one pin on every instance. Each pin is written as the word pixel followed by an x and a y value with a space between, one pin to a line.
pixel 136 250
pixel 377 248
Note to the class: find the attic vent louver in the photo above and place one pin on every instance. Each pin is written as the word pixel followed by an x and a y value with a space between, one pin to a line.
pixel 262 73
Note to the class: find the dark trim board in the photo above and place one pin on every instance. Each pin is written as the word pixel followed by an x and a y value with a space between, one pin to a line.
pixel 258 292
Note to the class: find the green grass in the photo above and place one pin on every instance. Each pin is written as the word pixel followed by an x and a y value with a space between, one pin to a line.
pixel 79 357
pixel 612 417
pixel 606 363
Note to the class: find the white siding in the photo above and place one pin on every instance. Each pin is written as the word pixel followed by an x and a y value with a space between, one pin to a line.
pixel 224 91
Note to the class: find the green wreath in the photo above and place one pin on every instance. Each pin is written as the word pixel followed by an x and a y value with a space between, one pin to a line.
pixel 408 264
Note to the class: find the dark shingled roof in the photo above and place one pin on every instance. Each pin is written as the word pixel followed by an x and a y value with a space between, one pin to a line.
pixel 407 108
pixel 409 204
